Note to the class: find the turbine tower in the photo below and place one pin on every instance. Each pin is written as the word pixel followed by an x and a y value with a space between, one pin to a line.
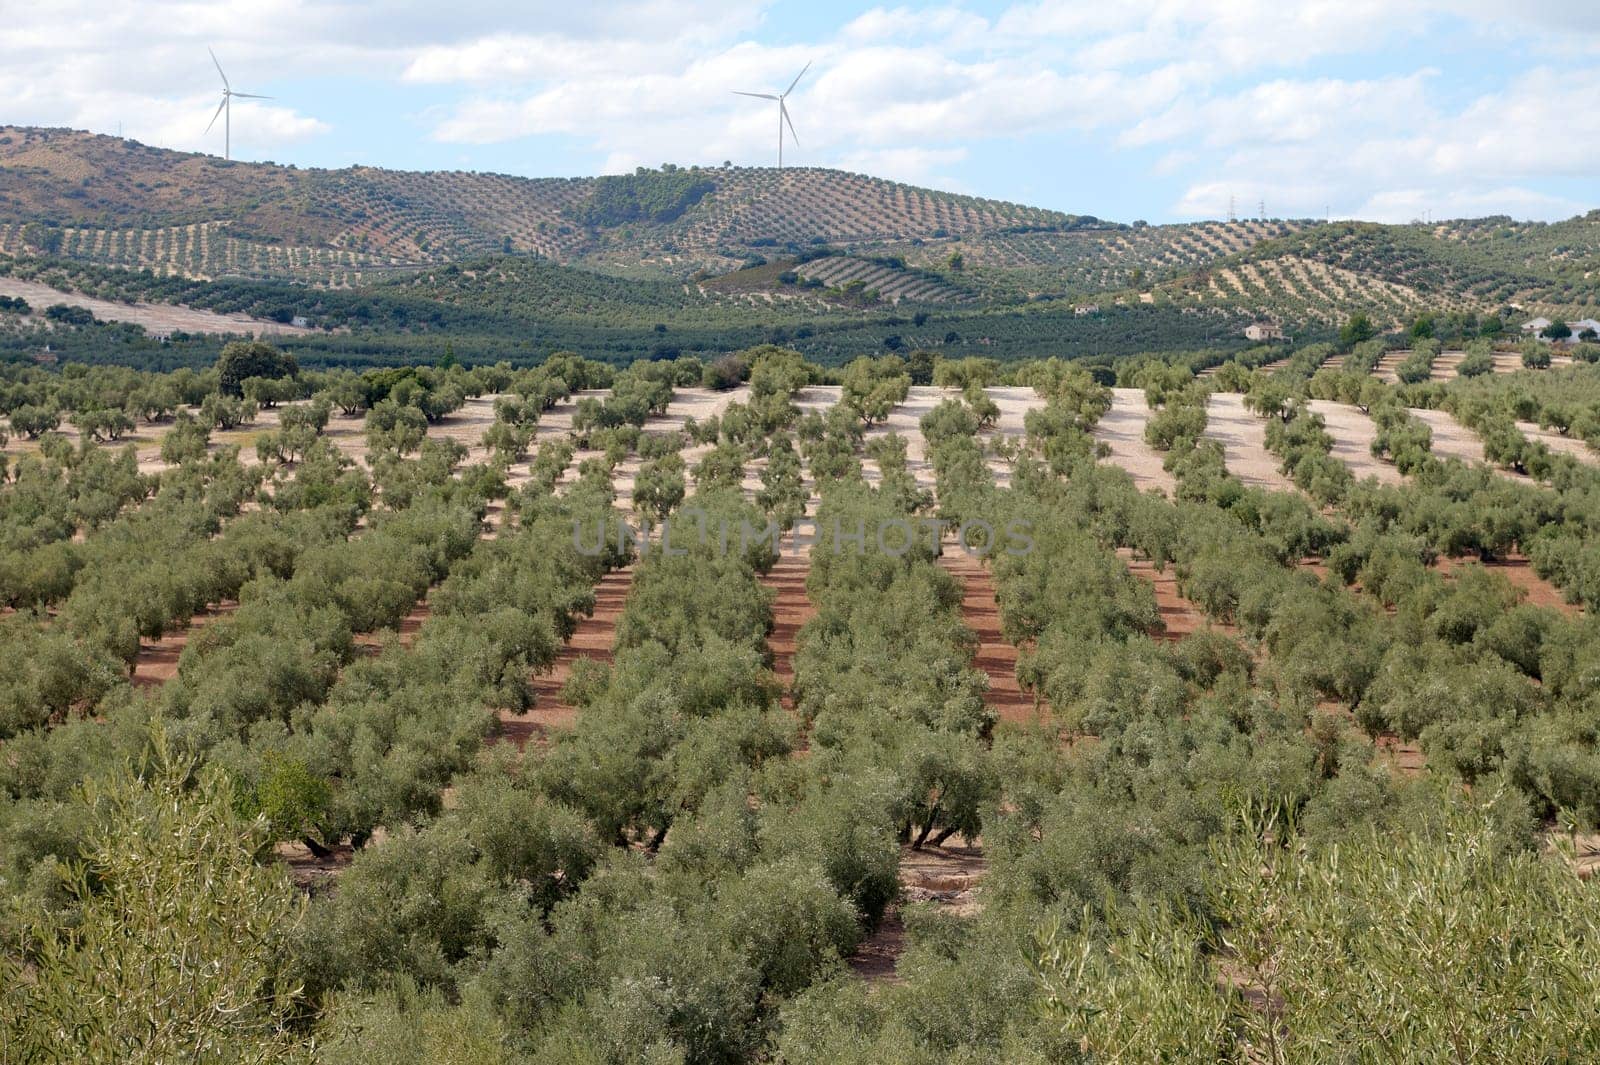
pixel 225 109
pixel 783 110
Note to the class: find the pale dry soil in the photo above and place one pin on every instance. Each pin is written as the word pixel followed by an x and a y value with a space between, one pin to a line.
pixel 1561 445
pixel 155 317
pixel 1353 433
pixel 1122 429
pixel 1243 437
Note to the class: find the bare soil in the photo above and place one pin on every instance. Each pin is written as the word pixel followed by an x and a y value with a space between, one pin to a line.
pixel 1179 616
pixel 906 419
pixel 948 877
pixel 155 317
pixel 1561 445
pixel 1122 429
pixel 790 610
pixel 1243 437
pixel 158 659
pixel 1519 572
pixel 592 640
pixel 1451 439
pixel 1014 404
pixel 1353 433
pixel 995 656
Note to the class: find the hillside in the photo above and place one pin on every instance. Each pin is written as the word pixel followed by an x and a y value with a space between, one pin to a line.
pixel 699 259
pixel 118 203
pixel 1324 273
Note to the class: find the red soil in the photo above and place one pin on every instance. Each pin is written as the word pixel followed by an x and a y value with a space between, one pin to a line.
pixel 996 657
pixel 592 639
pixel 1179 617
pixel 158 659
pixel 790 610
pixel 1519 571
pixel 1405 757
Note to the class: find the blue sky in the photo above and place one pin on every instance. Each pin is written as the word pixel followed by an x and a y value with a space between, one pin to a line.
pixel 1156 109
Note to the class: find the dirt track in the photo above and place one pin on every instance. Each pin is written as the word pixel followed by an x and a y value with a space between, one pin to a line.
pixel 790 610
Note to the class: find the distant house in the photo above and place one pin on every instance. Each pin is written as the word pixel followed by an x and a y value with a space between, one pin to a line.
pixel 1262 332
pixel 300 321
pixel 1084 309
pixel 1539 325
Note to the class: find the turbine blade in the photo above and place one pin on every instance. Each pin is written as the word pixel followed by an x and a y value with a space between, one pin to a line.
pixel 785 111
pixel 218 66
pixel 218 114
pixel 251 96
pixel 797 78
pixel 758 95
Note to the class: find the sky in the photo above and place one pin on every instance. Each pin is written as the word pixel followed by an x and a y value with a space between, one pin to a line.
pixel 1164 110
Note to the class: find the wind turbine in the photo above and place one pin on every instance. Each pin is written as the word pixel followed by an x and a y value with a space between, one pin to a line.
pixel 225 108
pixel 783 111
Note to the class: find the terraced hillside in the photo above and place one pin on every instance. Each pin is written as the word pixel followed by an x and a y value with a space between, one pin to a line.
pixel 1293 288
pixel 115 202
pixel 1327 271
pixel 892 283
pixel 1085 260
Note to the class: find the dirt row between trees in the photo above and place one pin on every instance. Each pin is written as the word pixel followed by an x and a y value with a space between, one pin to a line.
pixel 1243 437
pixel 158 659
pixel 1122 430
pixel 1179 616
pixel 949 876
pixel 995 655
pixel 791 609
pixel 1353 433
pixel 592 639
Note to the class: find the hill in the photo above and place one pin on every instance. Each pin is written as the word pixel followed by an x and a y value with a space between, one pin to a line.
pixel 1324 273
pixel 119 203
pixel 707 258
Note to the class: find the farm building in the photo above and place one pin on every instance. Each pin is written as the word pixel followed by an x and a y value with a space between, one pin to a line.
pixel 1262 332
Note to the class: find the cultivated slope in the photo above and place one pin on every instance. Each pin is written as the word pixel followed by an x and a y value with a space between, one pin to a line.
pixel 111 201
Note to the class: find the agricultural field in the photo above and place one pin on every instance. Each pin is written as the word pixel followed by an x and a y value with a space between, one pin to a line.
pixel 750 709
pixel 200 217
pixel 390 267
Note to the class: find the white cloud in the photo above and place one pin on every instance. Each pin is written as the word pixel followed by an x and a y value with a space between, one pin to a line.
pixel 1409 204
pixel 920 166
pixel 1382 150
pixel 143 63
